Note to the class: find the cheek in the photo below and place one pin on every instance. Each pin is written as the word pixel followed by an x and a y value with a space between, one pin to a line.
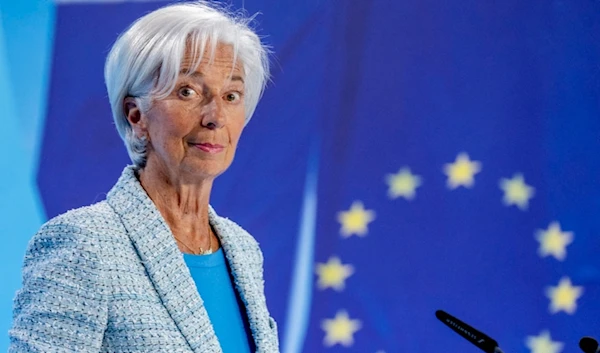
pixel 163 137
pixel 169 126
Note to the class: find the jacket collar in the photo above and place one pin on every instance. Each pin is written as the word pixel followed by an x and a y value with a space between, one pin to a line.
pixel 166 268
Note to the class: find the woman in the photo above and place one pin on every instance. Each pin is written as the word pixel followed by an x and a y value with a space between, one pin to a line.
pixel 153 268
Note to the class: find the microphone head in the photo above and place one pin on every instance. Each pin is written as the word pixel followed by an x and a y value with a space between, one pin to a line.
pixel 479 339
pixel 588 345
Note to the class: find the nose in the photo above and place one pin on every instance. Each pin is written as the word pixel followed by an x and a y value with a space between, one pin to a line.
pixel 212 115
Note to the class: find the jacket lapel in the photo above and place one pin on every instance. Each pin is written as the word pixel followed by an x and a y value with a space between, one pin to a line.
pixel 163 261
pixel 236 246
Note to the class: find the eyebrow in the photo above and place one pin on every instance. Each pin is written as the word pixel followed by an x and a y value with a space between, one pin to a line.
pixel 237 78
pixel 197 75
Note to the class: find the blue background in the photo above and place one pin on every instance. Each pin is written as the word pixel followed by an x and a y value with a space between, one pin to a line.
pixel 360 89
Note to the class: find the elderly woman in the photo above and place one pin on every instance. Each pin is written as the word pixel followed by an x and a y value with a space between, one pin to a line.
pixel 153 268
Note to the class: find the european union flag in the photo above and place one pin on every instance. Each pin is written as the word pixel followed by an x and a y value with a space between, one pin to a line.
pixel 458 170
pixel 409 156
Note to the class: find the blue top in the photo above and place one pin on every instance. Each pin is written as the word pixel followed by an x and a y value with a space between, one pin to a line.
pixel 225 310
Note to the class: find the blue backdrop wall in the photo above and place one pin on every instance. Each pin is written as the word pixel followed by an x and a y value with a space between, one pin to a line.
pixel 26 32
pixel 408 156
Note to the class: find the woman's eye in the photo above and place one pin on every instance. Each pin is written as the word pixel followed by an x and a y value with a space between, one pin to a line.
pixel 233 96
pixel 186 92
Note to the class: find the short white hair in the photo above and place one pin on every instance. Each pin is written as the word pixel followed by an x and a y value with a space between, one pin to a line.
pixel 145 60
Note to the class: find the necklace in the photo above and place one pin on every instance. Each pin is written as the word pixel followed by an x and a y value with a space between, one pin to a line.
pixel 201 251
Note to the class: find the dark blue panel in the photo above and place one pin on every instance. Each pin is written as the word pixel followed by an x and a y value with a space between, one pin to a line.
pixel 513 84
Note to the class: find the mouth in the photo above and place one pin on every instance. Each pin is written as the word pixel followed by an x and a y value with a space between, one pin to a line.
pixel 209 147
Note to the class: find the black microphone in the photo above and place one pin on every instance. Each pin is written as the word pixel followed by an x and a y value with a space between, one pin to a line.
pixel 589 345
pixel 478 338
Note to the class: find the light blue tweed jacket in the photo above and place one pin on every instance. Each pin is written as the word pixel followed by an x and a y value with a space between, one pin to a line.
pixel 110 278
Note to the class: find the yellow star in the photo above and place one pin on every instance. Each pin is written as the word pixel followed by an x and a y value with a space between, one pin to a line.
pixel 516 192
pixel 404 184
pixel 462 171
pixel 543 343
pixel 340 329
pixel 333 274
pixel 355 220
pixel 564 296
pixel 553 241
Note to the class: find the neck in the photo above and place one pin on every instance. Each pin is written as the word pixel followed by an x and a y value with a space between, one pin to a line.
pixel 183 203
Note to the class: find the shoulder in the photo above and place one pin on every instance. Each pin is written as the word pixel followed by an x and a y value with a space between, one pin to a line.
pixel 236 229
pixel 98 215
pixel 96 218
pixel 238 239
pixel 84 228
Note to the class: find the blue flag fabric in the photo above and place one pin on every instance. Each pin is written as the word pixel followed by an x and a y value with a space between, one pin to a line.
pixel 454 149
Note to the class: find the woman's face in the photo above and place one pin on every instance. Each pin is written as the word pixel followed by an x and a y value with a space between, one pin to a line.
pixel 193 133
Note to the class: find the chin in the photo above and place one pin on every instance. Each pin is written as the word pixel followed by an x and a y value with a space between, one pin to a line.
pixel 210 169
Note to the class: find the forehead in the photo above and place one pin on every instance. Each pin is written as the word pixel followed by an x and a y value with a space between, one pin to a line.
pixel 220 59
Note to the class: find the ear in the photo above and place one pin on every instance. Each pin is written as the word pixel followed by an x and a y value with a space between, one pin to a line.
pixel 134 116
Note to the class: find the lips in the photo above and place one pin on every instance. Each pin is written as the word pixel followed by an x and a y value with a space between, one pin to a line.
pixel 209 147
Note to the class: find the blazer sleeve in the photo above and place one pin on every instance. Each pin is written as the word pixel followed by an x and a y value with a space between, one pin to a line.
pixel 61 306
